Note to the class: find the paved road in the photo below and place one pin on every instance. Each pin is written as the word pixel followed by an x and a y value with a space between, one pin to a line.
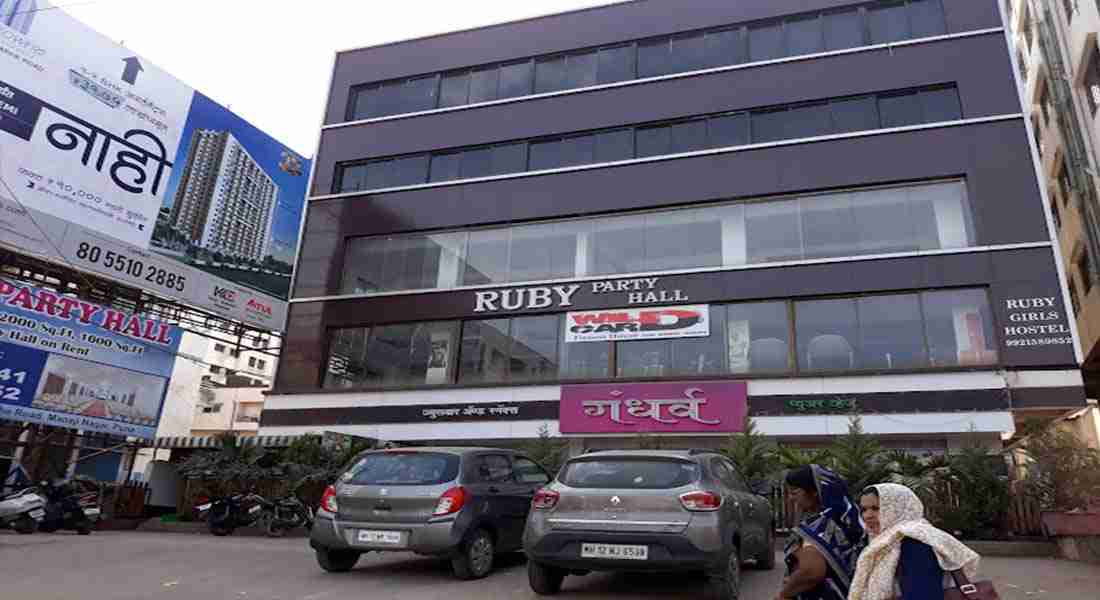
pixel 167 566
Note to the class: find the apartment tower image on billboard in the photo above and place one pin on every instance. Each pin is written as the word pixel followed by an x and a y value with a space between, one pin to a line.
pixel 512 229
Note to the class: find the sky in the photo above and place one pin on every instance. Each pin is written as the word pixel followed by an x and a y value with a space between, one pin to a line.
pixel 269 60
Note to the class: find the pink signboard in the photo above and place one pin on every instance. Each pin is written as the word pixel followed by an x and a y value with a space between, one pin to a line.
pixel 680 407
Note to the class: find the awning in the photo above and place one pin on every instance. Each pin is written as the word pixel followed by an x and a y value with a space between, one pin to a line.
pixel 213 442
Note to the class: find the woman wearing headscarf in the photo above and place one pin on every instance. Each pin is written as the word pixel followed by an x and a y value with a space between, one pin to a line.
pixel 821 552
pixel 907 557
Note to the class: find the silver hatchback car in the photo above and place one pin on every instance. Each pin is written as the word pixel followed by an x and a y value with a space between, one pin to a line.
pixel 641 510
pixel 464 504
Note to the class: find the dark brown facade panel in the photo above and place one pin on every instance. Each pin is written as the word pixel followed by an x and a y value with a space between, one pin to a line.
pixel 582 29
pixel 1061 397
pixel 966 62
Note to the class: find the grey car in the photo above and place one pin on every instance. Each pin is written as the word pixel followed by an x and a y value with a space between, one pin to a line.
pixel 464 504
pixel 641 510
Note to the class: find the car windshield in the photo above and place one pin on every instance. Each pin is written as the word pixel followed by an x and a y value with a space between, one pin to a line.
pixel 408 468
pixel 638 474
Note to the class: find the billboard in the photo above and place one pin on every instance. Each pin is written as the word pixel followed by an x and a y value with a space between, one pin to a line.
pixel 652 323
pixel 70 363
pixel 115 167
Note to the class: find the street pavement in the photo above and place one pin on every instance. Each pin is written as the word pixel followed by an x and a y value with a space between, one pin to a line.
pixel 172 566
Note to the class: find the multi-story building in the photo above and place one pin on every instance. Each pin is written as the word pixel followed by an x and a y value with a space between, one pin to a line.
pixel 18 14
pixel 225 201
pixel 658 216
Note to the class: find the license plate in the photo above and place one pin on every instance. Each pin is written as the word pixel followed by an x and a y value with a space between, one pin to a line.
pixel 614 551
pixel 37 514
pixel 205 506
pixel 391 538
pixel 254 509
pixel 91 512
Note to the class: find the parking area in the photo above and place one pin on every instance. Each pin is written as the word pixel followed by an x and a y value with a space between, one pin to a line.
pixel 128 566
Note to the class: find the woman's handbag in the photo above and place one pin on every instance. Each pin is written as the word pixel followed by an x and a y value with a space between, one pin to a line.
pixel 965 590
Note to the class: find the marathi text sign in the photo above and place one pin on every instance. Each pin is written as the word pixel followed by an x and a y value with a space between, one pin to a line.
pixel 683 407
pixel 638 324
pixel 70 363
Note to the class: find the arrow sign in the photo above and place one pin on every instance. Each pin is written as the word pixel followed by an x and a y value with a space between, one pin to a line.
pixel 130 73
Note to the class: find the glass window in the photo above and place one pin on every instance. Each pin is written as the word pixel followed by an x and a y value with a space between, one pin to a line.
pixel 899 110
pixel 728 130
pixel 769 125
pixel 805 35
pixel 547 251
pixel 516 79
pixel 883 222
pixel 477 162
pixel 421 93
pixel 828 226
pixel 959 326
pixel 927 18
pixel 410 170
pixel 654 141
pixel 494 468
pixel 446 167
pixel 676 357
pixel 891 332
pixel 390 98
pixel 1092 80
pixel 828 334
pixel 758 337
pixel 586 360
pixel 807 120
pixel 888 22
pixel 773 231
pixel 844 30
pixel 727 47
pixel 616 64
pixel 766 42
pixel 535 348
pixel 487 257
pixel 484 353
pixel 940 214
pixel 683 239
pixel 394 263
pixel 528 472
pixel 940 105
pixel 615 145
pixel 484 84
pixel 546 154
pixel 689 53
pixel 550 75
pixel 377 174
pixel 353 178
pixel 688 136
pixel 654 58
pixel 855 114
pixel 578 150
pixel 617 245
pixel 419 468
pixel 580 70
pixel 509 158
pixel 629 474
pixel 411 354
pixel 364 103
pixel 455 89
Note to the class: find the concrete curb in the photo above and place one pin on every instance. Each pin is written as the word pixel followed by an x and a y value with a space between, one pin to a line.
pixel 1030 549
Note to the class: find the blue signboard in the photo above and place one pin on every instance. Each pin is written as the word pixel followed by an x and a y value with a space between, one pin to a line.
pixel 70 363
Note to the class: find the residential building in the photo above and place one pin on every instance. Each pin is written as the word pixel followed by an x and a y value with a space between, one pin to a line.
pixel 225 201
pixel 18 14
pixel 658 216
pixel 229 410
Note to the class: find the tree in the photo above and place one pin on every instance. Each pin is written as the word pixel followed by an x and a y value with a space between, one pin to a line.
pixel 547 450
pixel 859 458
pixel 1063 473
pixel 981 491
pixel 753 454
pixel 790 457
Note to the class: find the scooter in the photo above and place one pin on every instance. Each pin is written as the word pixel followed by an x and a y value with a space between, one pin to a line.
pixel 224 515
pixel 22 510
pixel 288 513
pixel 63 509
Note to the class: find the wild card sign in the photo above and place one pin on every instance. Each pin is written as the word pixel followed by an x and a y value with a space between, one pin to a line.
pixel 659 322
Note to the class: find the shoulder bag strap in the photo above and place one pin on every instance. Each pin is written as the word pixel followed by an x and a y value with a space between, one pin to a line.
pixel 963 582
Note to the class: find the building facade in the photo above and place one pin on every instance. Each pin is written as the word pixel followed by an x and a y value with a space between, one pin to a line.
pixel 225 201
pixel 18 14
pixel 662 216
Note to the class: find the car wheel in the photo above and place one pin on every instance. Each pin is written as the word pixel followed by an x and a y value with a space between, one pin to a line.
pixel 766 560
pixel 336 561
pixel 475 559
pixel 544 580
pixel 25 525
pixel 725 584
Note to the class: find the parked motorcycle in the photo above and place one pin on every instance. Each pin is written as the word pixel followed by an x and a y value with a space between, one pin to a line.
pixel 287 513
pixel 63 508
pixel 224 515
pixel 22 510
